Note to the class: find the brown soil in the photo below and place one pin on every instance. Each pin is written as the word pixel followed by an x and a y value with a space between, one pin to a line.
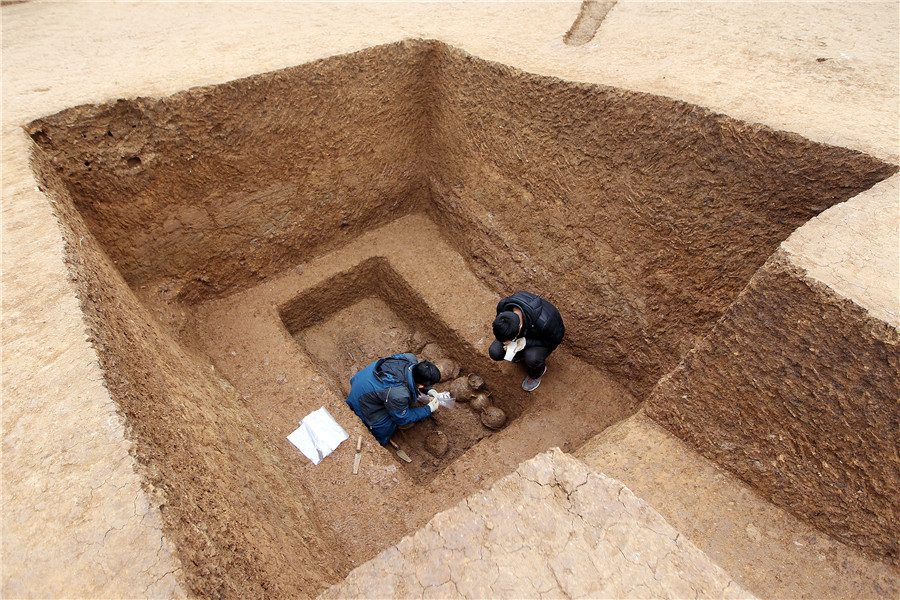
pixel 242 249
pixel 291 345
pixel 826 425
pixel 368 330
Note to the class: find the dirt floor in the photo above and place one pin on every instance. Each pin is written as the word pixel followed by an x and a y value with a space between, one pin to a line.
pixel 369 330
pixel 271 356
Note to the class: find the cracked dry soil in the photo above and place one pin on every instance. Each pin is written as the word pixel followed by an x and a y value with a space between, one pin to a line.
pixel 550 529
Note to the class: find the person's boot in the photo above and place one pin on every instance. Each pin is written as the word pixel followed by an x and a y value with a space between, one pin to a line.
pixel 529 385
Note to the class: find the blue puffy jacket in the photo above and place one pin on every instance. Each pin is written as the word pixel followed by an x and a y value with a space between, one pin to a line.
pixel 383 395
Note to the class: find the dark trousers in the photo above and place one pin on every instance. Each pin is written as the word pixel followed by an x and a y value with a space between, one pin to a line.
pixel 534 357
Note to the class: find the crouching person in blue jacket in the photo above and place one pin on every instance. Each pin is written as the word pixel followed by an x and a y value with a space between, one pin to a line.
pixel 384 394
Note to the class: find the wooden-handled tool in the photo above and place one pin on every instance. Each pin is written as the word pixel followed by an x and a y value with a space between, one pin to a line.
pixel 403 455
pixel 358 455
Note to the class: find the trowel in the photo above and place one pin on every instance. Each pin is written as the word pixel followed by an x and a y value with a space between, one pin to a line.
pixel 403 455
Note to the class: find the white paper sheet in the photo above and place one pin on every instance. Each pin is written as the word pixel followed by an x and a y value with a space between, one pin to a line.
pixel 318 435
pixel 513 347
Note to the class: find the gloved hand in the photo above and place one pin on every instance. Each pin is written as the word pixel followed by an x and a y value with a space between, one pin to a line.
pixel 434 405
pixel 433 393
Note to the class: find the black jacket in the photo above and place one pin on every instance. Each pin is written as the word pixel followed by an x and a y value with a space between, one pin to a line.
pixel 543 324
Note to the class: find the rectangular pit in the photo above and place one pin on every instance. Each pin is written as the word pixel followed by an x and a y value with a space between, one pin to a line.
pixel 379 332
pixel 641 217
pixel 284 347
pixel 370 312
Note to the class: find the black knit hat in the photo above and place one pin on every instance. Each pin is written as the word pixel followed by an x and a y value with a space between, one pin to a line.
pixel 506 326
pixel 426 373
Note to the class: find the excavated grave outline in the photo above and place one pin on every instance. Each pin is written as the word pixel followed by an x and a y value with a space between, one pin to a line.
pixel 375 277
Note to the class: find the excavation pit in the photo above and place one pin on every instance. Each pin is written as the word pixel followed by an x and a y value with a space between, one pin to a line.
pixel 228 242
pixel 370 312
pixel 290 345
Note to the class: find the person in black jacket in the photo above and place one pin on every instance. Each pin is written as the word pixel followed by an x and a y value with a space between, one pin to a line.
pixel 527 328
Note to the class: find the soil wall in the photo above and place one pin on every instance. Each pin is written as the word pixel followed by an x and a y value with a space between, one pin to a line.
pixel 795 390
pixel 241 530
pixel 640 217
pixel 215 188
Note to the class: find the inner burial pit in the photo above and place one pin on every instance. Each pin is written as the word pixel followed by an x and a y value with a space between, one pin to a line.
pixel 369 330
pixel 370 312
pixel 186 219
